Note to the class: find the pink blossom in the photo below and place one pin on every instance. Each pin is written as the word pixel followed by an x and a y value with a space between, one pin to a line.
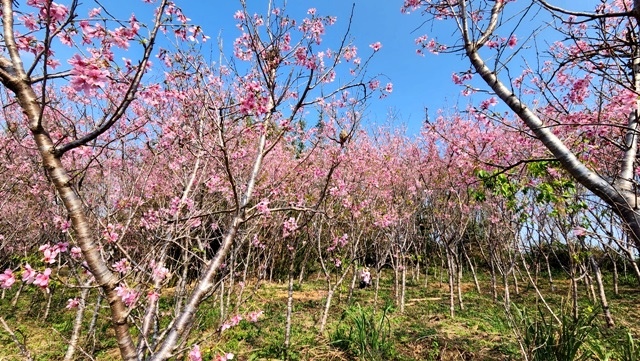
pixel 256 242
pixel 76 252
pixel 87 74
pixel 56 12
pixel 388 88
pixel 89 32
pixel 579 90
pixel 234 321
pixel 62 246
pixel 153 296
pixel 374 84
pixel 129 296
pixel 195 354
pixel 492 44
pixel 512 41
pixel 110 234
pixel 289 226
pixel 49 253
pixel 350 52
pixel 225 357
pixel 314 28
pixel 376 46
pixel 159 273
pixel 29 22
pixel 485 104
pixel 94 12
pixel 311 11
pixel 42 279
pixel 122 266
pixel 253 316
pixel 29 274
pixel 7 279
pixel 263 207
pixel 72 303
pixel 365 277
pixel 239 15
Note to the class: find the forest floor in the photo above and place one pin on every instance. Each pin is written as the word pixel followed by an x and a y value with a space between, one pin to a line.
pixel 360 328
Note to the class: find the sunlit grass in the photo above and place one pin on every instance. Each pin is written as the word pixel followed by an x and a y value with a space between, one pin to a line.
pixel 480 331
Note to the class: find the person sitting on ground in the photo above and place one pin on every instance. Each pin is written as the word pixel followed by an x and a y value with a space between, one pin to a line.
pixel 365 277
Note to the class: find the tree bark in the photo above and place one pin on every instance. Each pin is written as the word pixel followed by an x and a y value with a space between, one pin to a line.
pixel 619 196
pixel 603 297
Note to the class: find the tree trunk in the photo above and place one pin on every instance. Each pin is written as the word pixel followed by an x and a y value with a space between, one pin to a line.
pixel 507 297
pixel 603 297
pixel 77 323
pixel 377 287
pixel 352 286
pixel 287 332
pixel 452 276
pixel 473 271
pixel 574 291
pixel 91 332
pixel 616 281
pixel 458 266
pixel 325 312
pixel 403 286
pixel 549 274
pixel 494 280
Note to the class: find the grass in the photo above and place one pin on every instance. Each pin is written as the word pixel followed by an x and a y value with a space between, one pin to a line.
pixel 356 330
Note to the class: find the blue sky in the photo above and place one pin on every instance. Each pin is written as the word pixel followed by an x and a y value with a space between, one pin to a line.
pixel 415 85
pixel 419 81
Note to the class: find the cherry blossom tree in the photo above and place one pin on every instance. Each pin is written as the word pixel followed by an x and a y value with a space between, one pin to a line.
pixel 586 88
pixel 161 181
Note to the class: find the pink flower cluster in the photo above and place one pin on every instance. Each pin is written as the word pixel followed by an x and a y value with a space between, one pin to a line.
pixel 87 74
pixel 289 226
pixel 485 104
pixel 350 52
pixel 61 223
pixel 29 276
pixel 431 45
pixel 50 10
pixel 496 43
pixel 129 296
pixel 72 303
pixel 42 279
pixel 251 99
pixel 110 234
pixel 235 320
pixel 256 242
pixel 7 279
pixel 314 27
pixel 459 79
pixel 122 266
pixel 579 90
pixel 263 207
pixel 303 58
pixel 338 242
pixel 159 272
pixel 49 252
pixel 123 35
